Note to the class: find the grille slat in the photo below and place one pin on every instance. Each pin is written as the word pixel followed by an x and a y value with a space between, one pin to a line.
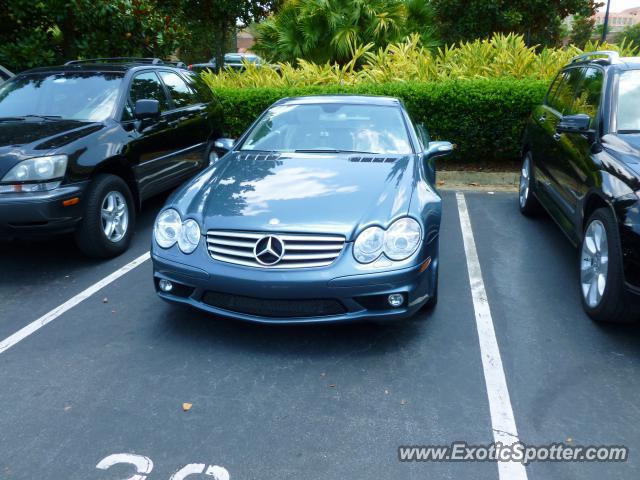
pixel 300 250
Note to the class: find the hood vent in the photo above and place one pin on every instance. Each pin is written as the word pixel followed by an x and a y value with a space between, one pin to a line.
pixel 373 159
pixel 259 157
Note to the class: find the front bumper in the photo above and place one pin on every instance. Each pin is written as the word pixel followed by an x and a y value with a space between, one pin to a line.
pixel 244 290
pixel 29 214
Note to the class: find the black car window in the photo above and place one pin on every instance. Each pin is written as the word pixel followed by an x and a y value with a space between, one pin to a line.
pixel 145 86
pixel 194 80
pixel 628 114
pixel 74 95
pixel 180 92
pixel 563 97
pixel 587 98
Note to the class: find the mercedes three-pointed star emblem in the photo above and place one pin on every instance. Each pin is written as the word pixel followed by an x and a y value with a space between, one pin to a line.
pixel 268 250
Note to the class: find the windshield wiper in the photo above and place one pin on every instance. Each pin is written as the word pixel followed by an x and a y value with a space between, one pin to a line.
pixel 628 131
pixel 44 117
pixel 331 150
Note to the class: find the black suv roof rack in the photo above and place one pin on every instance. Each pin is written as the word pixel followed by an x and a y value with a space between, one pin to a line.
pixel 610 55
pixel 152 61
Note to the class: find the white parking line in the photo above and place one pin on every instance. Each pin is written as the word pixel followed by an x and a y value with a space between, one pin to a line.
pixel 503 422
pixel 69 304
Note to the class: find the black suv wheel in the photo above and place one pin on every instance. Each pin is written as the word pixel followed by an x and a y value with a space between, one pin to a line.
pixel 109 218
pixel 601 273
pixel 526 199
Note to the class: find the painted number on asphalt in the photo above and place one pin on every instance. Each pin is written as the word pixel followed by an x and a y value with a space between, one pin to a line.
pixel 144 465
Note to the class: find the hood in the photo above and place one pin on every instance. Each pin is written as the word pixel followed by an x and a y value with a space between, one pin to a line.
pixel 43 135
pixel 319 193
pixel 29 138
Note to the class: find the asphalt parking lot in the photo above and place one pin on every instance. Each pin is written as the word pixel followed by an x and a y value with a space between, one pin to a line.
pixel 110 374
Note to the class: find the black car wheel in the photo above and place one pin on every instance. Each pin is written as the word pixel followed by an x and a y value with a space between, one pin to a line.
pixel 601 273
pixel 109 218
pixel 527 201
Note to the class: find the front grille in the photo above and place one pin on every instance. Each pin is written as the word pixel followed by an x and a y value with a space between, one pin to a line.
pixel 300 250
pixel 264 307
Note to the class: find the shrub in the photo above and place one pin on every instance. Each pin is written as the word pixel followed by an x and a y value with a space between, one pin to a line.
pixel 485 118
pixel 408 61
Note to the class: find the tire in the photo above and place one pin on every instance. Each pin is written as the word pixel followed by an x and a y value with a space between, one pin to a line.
pixel 527 200
pixel 602 288
pixel 112 194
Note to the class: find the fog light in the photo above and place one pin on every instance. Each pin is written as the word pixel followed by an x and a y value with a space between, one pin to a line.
pixel 395 300
pixel 165 285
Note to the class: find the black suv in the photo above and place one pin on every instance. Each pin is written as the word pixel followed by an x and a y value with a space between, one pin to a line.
pixel 581 162
pixel 82 145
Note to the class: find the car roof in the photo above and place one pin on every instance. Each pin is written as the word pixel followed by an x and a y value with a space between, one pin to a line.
pixel 346 98
pixel 99 67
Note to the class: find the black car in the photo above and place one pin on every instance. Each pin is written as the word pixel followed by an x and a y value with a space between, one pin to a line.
pixel 82 145
pixel 235 61
pixel 581 162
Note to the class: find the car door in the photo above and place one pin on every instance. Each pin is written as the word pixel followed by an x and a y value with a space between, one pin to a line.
pixel 150 146
pixel 576 166
pixel 190 128
pixel 549 157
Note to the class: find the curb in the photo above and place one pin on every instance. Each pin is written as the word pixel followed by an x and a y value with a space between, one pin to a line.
pixel 464 180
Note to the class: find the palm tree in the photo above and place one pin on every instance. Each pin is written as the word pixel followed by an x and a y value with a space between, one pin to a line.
pixel 327 30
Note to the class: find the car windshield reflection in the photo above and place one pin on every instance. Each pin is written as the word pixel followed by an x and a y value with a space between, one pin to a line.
pixel 330 128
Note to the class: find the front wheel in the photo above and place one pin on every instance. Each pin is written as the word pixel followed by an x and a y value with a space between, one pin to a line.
pixel 109 218
pixel 527 201
pixel 604 296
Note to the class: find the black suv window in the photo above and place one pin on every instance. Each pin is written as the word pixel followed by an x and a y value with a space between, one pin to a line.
pixel 562 99
pixel 180 92
pixel 145 86
pixel 587 98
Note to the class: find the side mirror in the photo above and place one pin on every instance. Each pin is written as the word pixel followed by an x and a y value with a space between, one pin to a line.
pixel 146 110
pixel 578 123
pixel 439 149
pixel 224 144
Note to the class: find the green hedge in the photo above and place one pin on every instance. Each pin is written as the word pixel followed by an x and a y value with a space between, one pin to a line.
pixel 485 118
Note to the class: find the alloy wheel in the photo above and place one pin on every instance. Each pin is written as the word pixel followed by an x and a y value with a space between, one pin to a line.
pixel 594 263
pixel 525 177
pixel 115 216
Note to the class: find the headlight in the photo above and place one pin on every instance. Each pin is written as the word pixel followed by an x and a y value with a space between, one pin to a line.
pixel 398 242
pixel 402 239
pixel 37 169
pixel 189 236
pixel 167 228
pixel 368 245
pixel 170 229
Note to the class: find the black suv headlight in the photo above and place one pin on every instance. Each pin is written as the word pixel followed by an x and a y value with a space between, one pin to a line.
pixel 35 174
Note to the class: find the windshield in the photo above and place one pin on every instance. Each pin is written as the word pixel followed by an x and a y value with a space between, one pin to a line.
pixel 628 117
pixel 330 127
pixel 78 96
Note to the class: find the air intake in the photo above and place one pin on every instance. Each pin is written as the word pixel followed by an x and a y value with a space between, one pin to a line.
pixel 373 159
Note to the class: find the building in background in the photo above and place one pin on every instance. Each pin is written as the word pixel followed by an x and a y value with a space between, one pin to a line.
pixel 619 20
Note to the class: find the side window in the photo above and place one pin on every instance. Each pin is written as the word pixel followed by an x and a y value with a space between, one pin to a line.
pixel 196 83
pixel 588 96
pixel 553 89
pixel 144 86
pixel 180 92
pixel 562 99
